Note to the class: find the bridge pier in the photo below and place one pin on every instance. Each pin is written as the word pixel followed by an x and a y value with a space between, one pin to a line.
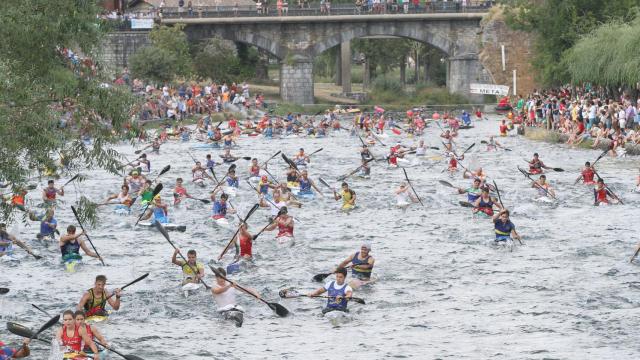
pixel 296 80
pixel 461 72
pixel 345 62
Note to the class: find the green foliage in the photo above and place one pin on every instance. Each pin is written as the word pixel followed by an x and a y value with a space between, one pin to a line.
pixel 382 53
pixel 38 85
pixel 173 40
pixel 558 24
pixel 217 60
pixel 607 56
pixel 385 84
pixel 153 63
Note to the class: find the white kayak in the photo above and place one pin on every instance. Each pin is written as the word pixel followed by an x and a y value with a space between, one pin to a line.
pixel 122 210
pixel 199 182
pixel 308 196
pixel 337 317
pixel 190 288
pixel 234 313
pixel 285 241
pixel 167 226
pixel 230 190
pixel 222 222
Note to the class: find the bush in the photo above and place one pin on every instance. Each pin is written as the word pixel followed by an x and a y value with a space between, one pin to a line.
pixel 153 63
pixel 383 84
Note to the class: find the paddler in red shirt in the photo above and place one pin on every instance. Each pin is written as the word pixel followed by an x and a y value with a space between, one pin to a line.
pixel 587 174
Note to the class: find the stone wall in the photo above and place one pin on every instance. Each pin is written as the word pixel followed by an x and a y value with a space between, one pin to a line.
pixel 518 52
pixel 296 81
pixel 118 47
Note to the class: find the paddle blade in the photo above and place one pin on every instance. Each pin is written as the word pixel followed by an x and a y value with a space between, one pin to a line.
pixel 465 204
pixel 320 277
pixel 315 152
pixel 446 183
pixel 54 320
pixel 247 157
pixel 483 142
pixel 132 357
pixel 359 300
pixel 396 131
pixel 21 330
pixel 135 281
pixel 205 201
pixel 70 180
pixel 157 189
pixel 4 291
pixel 164 170
pixel 434 148
pixel 558 169
pixel 469 148
pixel 279 309
pixel 324 183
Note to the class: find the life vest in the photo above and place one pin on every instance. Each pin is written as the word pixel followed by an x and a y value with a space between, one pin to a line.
pixel 74 342
pixel 503 230
pixel 284 230
pixel 485 206
pixel 334 292
pixel 347 195
pixel 219 210
pixel 94 305
pixel 254 170
pixel 601 195
pixel 357 271
pixel 70 248
pixel 305 186
pixel 245 246
pixel 50 193
pixel 587 175
pixel 188 273
pixel 233 182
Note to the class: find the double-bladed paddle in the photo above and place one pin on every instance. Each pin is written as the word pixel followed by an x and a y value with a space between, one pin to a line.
pixel 279 309
pixel 322 276
pixel 226 248
pixel 409 182
pixel 344 177
pixel 70 180
pixel 164 233
pixel 75 213
pixel 537 185
pixel 292 294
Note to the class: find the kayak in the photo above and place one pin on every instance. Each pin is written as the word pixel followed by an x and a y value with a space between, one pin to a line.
pixel 222 222
pixel 503 244
pixel 206 146
pixel 199 182
pixel 121 209
pixel 304 195
pixel 190 288
pixel 234 313
pixel 293 185
pixel 285 241
pixel 71 262
pixel 358 283
pixel 97 318
pixel 167 226
pixel 239 265
pixel 337 317
pixel 347 207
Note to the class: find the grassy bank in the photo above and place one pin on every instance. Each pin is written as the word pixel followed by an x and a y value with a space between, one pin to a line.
pixel 540 134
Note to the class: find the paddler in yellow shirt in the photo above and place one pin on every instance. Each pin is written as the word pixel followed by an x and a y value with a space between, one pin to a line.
pixel 347 195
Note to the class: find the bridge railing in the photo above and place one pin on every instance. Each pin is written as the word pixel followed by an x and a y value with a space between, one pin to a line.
pixel 298 8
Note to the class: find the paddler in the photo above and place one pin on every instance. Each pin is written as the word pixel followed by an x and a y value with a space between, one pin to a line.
pixel 292 177
pixel 244 242
pixel 404 195
pixel 339 292
pixel 49 193
pixel 70 245
pixel 160 211
pixel 347 195
pixel 504 228
pixel 306 184
pixel 421 149
pixel 220 209
pixel 7 240
pixel 254 168
pixel 365 169
pixel 301 159
pixel 180 192
pixel 135 181
pixel 283 222
pixel 544 189
pixel 227 157
pixel 48 225
pixel 146 193
pixel 365 154
pixel 93 333
pixel 232 179
pixel 198 172
pixel 18 198
pixel 503 128
pixel 189 266
pixel 224 293
pixel 7 352
pixel 264 185
pixel 492 144
pixel 361 266
pixel 143 164
pixel 476 174
pixel 210 164
pixel 473 193
pixel 123 198
pixel 485 203
pixel 453 162
pixel 536 165
pixel 603 195
pixel 94 300
pixel 71 337
pixel 587 174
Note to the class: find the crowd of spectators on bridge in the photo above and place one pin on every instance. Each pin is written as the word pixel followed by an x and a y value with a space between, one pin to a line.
pixel 583 113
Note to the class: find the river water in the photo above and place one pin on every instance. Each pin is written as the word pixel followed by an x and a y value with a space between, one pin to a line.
pixel 443 290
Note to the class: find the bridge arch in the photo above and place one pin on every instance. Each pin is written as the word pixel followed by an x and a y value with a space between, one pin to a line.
pixel 268 44
pixel 424 35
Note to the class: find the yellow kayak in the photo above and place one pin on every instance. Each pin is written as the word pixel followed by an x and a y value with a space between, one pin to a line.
pixel 75 355
pixel 293 184
pixel 97 318
pixel 347 207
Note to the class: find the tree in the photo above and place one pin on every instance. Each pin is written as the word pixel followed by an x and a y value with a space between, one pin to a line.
pixel 153 63
pixel 218 60
pixel 607 56
pixel 558 24
pixel 40 82
pixel 174 40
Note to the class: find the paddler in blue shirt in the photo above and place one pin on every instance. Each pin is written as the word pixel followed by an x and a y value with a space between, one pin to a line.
pixel 338 290
pixel 361 266
pixel 504 228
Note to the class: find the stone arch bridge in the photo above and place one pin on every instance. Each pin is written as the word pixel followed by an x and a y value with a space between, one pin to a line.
pixel 297 40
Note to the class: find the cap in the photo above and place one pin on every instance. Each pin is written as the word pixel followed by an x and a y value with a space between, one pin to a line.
pixel 366 245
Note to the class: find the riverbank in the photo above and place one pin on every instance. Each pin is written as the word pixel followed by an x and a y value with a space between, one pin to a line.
pixel 540 134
